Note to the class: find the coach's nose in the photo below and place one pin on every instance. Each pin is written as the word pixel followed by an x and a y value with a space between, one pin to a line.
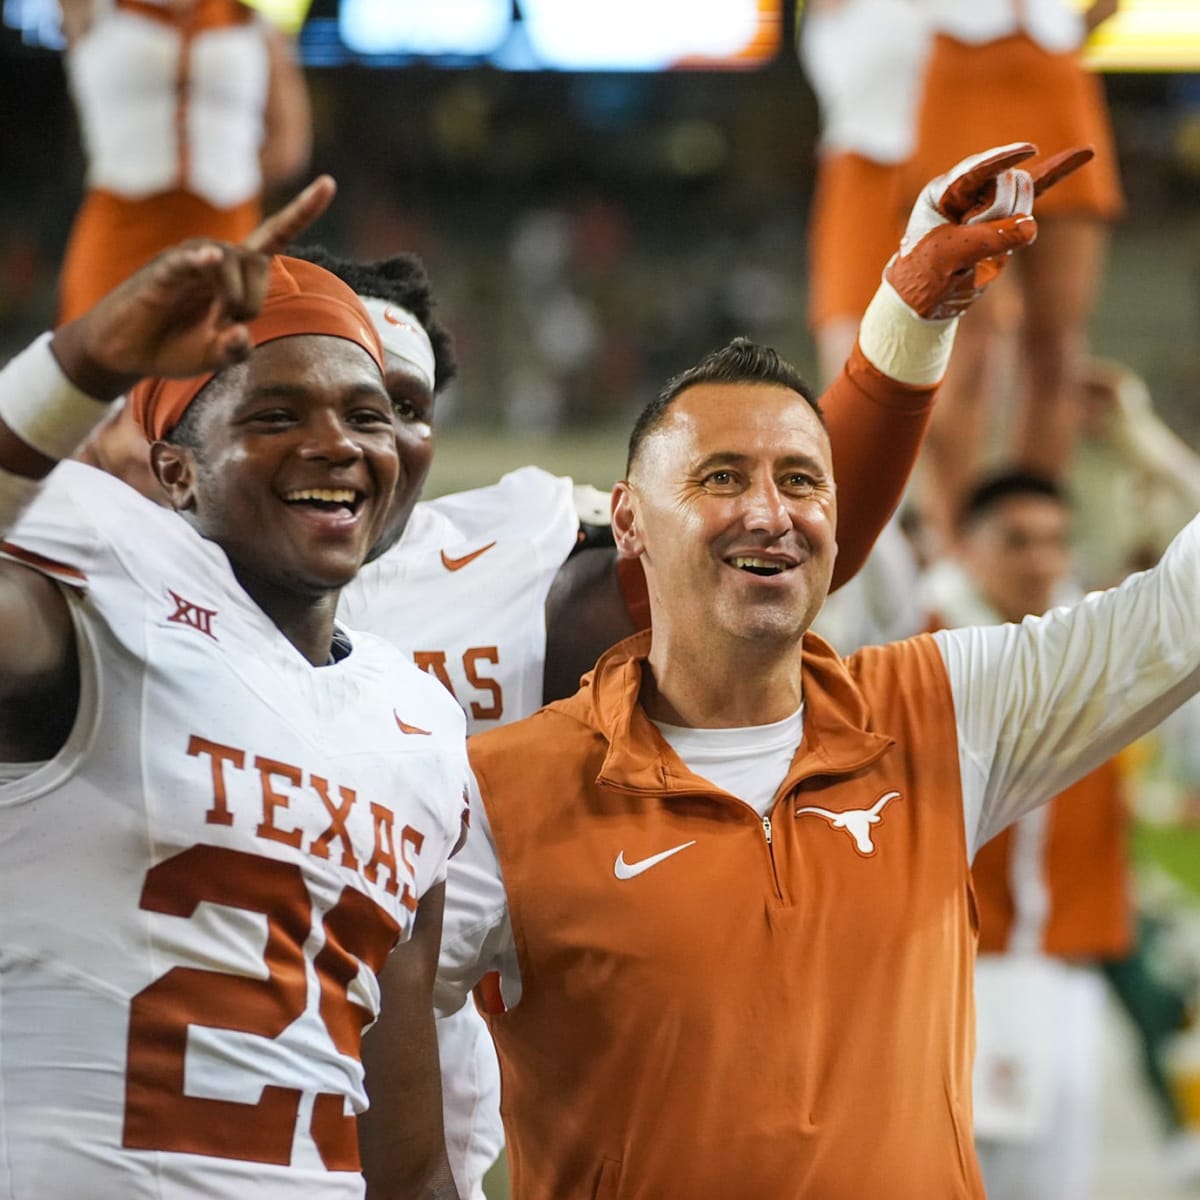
pixel 765 509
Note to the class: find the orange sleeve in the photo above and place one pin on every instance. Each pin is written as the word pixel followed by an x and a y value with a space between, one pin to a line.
pixel 875 426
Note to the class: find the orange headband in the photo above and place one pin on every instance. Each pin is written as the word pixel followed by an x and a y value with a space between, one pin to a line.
pixel 301 299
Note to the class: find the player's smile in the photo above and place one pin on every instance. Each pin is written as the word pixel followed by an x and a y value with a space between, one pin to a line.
pixel 333 509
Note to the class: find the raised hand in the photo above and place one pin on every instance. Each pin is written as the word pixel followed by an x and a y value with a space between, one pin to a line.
pixel 967 222
pixel 183 313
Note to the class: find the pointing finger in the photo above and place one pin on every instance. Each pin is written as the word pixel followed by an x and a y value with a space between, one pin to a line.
pixel 294 218
pixel 1058 166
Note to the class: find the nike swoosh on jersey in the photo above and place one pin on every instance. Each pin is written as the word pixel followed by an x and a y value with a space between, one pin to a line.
pixel 407 728
pixel 457 564
pixel 625 870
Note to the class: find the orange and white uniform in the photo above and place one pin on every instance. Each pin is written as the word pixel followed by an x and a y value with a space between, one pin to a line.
pixel 1054 899
pixel 172 116
pixel 1006 71
pixel 464 590
pixel 197 891
pixel 865 60
pixel 695 996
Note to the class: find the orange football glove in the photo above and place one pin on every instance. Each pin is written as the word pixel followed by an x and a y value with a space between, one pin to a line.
pixel 967 222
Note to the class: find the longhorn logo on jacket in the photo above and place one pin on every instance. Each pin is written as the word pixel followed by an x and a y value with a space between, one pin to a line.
pixel 856 822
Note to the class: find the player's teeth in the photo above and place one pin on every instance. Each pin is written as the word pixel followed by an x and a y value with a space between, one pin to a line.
pixel 331 495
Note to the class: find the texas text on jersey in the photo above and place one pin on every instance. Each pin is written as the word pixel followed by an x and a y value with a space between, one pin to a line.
pixel 197 891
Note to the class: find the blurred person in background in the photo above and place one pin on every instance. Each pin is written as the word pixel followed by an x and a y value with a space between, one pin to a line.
pixel 864 60
pixel 188 110
pixel 1133 480
pixel 997 70
pixel 1053 890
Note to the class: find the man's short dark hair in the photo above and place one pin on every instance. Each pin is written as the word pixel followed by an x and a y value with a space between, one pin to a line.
pixel 997 488
pixel 741 361
pixel 400 280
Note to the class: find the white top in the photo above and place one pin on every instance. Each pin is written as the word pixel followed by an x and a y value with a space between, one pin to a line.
pixel 192 889
pixel 464 591
pixel 865 60
pixel 160 111
pixel 748 763
pixel 1038 705
pixel 1056 25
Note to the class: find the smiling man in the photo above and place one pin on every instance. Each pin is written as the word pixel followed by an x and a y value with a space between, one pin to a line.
pixel 226 819
pixel 717 904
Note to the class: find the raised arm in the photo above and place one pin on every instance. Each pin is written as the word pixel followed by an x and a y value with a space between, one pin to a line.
pixel 1040 704
pixel 962 228
pixel 180 315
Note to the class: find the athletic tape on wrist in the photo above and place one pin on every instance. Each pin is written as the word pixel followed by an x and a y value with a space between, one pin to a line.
pixel 16 494
pixel 42 406
pixel 901 344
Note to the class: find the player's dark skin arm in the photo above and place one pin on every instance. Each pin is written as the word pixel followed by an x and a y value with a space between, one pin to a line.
pixel 400 1137
pixel 39 673
pixel 585 614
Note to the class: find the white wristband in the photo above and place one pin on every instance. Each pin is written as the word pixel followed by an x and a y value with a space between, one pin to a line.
pixel 901 344
pixel 42 406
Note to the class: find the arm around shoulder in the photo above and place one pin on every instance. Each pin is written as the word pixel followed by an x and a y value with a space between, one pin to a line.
pixel 587 611
pixel 39 677
pixel 401 1140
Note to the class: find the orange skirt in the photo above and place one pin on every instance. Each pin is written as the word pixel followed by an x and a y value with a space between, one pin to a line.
pixel 113 236
pixel 858 215
pixel 1012 90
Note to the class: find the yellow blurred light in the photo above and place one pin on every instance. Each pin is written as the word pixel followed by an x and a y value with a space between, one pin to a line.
pixel 287 15
pixel 1147 35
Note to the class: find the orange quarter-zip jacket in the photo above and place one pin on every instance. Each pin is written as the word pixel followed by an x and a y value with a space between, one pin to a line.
pixel 717 1005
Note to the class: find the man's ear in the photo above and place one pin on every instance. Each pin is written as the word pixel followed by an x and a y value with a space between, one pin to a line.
pixel 625 525
pixel 175 469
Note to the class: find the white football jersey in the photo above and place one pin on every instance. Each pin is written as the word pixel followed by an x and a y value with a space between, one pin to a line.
pixel 197 891
pixel 464 591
